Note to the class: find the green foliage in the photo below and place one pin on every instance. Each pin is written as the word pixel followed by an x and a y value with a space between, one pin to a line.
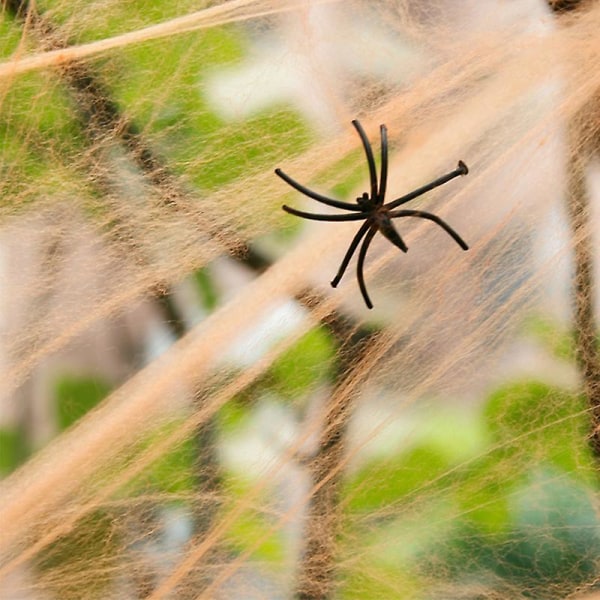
pixel 233 415
pixel 206 288
pixel 237 151
pixel 173 70
pixel 174 472
pixel 519 510
pixel 557 530
pixel 482 495
pixel 10 37
pixel 75 396
pixel 527 510
pixel 117 18
pixel 13 450
pixel 294 373
pixel 47 152
pixel 551 538
pixel 381 483
pixel 535 421
pixel 185 127
pixel 366 581
pixel 348 173
pixel 559 341
pixel 89 548
pixel 305 363
pixel 251 529
pixel 211 152
pixel 246 532
pixel 35 103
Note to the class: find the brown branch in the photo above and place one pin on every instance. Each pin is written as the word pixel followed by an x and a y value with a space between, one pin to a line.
pixel 564 6
pixel 316 578
pixel 584 141
pixel 586 327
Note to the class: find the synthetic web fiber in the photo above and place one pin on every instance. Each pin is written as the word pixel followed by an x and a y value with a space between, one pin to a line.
pixel 189 410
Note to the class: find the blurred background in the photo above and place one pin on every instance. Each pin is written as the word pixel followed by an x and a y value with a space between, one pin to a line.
pixel 188 409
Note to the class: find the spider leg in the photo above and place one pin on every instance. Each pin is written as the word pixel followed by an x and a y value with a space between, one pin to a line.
pixel 462 169
pixel 389 232
pixel 370 159
pixel 317 217
pixel 351 249
pixel 314 195
pixel 384 164
pixel 359 267
pixel 425 215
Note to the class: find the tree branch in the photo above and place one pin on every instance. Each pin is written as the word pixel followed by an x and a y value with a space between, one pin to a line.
pixel 584 142
pixel 586 327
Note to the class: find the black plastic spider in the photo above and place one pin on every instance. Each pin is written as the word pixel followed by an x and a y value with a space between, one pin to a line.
pixel 376 215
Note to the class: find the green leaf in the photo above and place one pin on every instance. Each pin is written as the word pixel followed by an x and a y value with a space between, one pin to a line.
pixel 208 293
pixel 173 68
pixel 13 450
pixel 84 557
pixel 173 472
pixel 558 340
pixel 551 538
pixel 233 415
pixel 305 363
pixel 40 139
pixel 234 151
pixel 250 527
pixel 367 580
pixel 75 396
pixel 383 482
pixel 348 173
pixel 483 499
pixel 535 421
pixel 557 527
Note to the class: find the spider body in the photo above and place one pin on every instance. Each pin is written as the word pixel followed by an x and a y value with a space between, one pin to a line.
pixel 371 209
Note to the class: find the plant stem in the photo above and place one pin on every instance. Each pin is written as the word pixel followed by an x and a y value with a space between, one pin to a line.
pixel 584 142
pixel 317 570
pixel 586 328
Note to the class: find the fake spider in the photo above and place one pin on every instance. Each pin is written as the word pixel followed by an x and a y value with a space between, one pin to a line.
pixel 371 209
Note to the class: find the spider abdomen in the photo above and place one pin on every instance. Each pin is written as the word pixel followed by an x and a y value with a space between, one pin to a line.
pixel 385 225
